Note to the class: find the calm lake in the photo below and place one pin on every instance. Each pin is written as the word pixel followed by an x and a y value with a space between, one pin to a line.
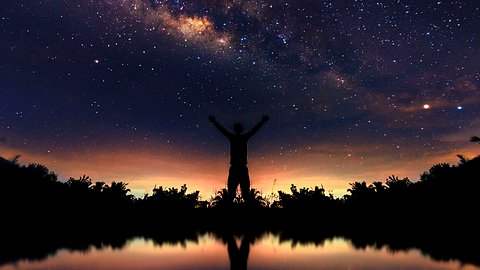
pixel 210 252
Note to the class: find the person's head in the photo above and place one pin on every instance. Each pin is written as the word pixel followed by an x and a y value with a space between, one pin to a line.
pixel 238 128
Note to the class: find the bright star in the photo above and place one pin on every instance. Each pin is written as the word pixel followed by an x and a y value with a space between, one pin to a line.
pixel 459 107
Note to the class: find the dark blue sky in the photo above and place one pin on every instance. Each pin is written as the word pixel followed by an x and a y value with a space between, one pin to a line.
pixel 355 89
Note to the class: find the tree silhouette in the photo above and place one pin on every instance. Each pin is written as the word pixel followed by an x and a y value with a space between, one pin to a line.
pixel 118 192
pixel 173 198
pixel 254 199
pixel 304 198
pixel 81 184
pixel 38 208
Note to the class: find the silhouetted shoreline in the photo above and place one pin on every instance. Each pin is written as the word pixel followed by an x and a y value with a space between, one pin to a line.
pixel 436 215
pixel 35 246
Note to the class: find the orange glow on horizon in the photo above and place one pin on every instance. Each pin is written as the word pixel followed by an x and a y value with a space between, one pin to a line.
pixel 144 168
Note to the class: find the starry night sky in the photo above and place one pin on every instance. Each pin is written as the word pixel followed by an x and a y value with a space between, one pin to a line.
pixel 355 90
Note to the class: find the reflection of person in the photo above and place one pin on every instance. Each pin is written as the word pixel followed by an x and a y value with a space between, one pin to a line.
pixel 238 256
pixel 238 173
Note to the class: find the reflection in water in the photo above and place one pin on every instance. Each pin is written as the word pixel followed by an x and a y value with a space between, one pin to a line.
pixel 238 256
pixel 211 251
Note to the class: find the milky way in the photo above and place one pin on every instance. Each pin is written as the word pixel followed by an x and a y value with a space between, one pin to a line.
pixel 356 90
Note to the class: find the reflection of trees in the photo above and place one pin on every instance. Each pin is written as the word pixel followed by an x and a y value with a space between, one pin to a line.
pixel 35 202
pixel 447 249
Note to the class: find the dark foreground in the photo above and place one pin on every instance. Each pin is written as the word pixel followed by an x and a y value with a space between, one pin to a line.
pixel 437 214
pixel 36 237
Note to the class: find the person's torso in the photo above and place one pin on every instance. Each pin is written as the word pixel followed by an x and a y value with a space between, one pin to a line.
pixel 238 149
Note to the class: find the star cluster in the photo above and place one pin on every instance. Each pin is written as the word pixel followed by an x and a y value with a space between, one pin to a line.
pixel 355 89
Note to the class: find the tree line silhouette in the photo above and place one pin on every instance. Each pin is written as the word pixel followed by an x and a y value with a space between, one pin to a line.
pixel 445 197
pixel 437 213
pixel 34 187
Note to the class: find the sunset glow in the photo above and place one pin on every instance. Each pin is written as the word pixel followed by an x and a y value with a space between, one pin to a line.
pixel 122 90
pixel 145 168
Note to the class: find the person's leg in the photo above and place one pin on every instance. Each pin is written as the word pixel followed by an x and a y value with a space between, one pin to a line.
pixel 233 252
pixel 232 183
pixel 245 184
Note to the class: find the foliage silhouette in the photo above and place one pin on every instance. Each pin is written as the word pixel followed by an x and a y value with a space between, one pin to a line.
pixel 172 198
pixel 254 199
pixel 305 198
pixel 457 183
pixel 398 213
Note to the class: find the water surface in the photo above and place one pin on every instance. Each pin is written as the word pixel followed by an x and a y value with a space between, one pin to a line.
pixel 211 252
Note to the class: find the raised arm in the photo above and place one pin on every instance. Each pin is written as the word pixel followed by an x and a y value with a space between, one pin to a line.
pixel 219 127
pixel 257 127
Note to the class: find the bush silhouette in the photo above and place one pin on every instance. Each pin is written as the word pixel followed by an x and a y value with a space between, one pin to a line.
pixel 33 189
pixel 172 198
pixel 304 198
pixel 254 199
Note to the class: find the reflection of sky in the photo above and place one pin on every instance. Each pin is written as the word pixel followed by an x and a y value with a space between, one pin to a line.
pixel 266 253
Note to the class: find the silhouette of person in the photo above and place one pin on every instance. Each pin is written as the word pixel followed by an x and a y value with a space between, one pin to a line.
pixel 238 173
pixel 238 256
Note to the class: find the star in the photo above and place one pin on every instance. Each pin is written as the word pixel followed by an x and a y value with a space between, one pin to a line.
pixel 324 73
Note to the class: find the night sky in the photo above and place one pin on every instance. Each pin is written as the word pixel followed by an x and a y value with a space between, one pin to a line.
pixel 355 90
